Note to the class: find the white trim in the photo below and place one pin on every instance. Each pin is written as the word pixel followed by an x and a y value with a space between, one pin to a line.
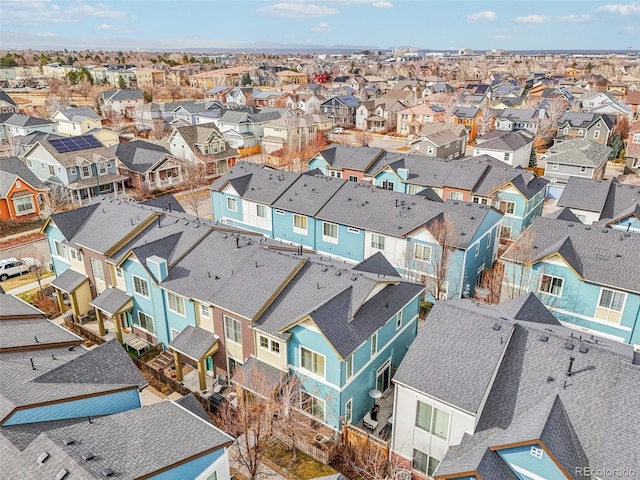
pixel 184 306
pixel 311 373
pixel 526 473
pixel 350 403
pixel 224 325
pixel 589 319
pixel 559 295
pixel 133 285
pixel 140 323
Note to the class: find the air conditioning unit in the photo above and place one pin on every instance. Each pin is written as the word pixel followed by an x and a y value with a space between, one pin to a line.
pixel 404 474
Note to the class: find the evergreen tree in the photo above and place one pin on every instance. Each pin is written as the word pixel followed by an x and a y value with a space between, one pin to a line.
pixel 122 85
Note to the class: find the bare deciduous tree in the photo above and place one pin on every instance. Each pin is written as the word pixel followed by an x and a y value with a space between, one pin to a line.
pixel 193 178
pixel 58 199
pixel 518 258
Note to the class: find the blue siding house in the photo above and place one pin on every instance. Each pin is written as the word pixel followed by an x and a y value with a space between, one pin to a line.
pixel 351 221
pixel 587 276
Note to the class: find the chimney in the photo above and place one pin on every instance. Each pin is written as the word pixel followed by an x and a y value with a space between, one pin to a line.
pixel 403 173
pixel 158 267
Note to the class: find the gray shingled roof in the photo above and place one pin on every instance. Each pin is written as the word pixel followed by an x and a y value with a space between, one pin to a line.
pixel 77 115
pixel 12 169
pixel 11 307
pixel 585 194
pixel 33 332
pixel 579 151
pixel 111 300
pixel 139 155
pixel 74 158
pixel 351 158
pixel 20 120
pixel 527 401
pixel 69 280
pixel 564 214
pixel 171 434
pixel 378 264
pixel 604 254
pixel 506 141
pixel 308 194
pixel 194 342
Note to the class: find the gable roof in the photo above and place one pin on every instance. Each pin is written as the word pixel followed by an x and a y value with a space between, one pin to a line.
pixel 351 158
pixel 78 114
pixel 504 141
pixel 12 169
pixel 579 151
pixel 139 155
pixel 607 198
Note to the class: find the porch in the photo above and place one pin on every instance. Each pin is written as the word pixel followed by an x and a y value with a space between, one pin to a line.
pixel 165 177
pixel 197 345
pixel 382 426
pixel 376 123
pixel 88 188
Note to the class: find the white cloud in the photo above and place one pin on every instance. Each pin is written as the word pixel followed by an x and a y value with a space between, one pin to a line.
pixel 585 17
pixel 382 4
pixel 45 11
pixel 625 9
pixel 479 16
pixel 45 34
pixel 502 36
pixel 104 26
pixel 630 28
pixel 321 28
pixel 298 10
pixel 532 19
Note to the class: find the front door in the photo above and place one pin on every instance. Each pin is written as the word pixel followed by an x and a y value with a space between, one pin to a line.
pixel 383 376
pixel 208 363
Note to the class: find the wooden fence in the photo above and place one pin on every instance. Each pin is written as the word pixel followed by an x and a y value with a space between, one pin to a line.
pixel 319 453
pixel 84 332
pixel 356 438
pixel 248 151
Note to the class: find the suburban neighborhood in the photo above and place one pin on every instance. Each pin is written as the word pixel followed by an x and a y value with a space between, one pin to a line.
pixel 320 262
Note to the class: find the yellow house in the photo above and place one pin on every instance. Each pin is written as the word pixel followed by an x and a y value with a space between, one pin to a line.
pixel 76 121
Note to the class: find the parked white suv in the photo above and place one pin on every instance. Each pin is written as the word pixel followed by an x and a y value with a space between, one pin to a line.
pixel 12 267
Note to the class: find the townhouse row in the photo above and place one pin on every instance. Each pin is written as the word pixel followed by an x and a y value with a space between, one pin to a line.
pixel 219 299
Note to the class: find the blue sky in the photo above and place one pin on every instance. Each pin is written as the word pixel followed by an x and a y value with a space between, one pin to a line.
pixel 220 24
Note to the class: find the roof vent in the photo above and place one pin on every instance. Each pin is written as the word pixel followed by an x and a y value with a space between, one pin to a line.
pixel 338 273
pixel 543 337
pixel 496 327
pixel 43 457
pixel 62 474
pixel 107 472
pixel 605 230
pixel 68 441
pixel 87 456
pixel 568 346
pixel 583 349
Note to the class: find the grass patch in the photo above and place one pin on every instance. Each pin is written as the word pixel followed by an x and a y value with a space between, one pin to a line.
pixel 11 227
pixel 25 279
pixel 305 467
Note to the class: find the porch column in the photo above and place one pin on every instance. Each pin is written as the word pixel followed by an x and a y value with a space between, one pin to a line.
pixel 118 325
pixel 100 321
pixel 201 376
pixel 61 304
pixel 177 358
pixel 74 304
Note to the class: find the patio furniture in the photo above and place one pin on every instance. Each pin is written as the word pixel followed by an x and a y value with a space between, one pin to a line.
pixel 368 422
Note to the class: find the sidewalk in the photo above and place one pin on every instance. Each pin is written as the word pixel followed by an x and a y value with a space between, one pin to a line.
pixel 30 286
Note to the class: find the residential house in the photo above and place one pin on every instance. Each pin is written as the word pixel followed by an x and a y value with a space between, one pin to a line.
pixel 378 115
pixel 349 223
pixel 512 148
pixel 514 119
pixel 441 140
pixel 240 96
pixel 68 411
pixel 632 153
pixel 291 77
pixel 124 102
pixel 632 99
pixel 581 273
pixel 305 102
pixel 148 164
pixel 574 158
pixel 605 202
pixel 341 110
pixel 22 194
pixel 483 180
pixel 14 125
pixel 228 77
pixel 76 121
pixel 470 117
pixel 585 125
pixel 271 98
pixel 203 145
pixel 80 165
pixel 217 94
pixel 344 161
pixel 411 119
pixel 148 77
pixel 527 386
pixel 7 105
pixel 296 132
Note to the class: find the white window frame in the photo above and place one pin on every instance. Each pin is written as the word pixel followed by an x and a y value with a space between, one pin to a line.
pixel 552 278
pixel 429 470
pixel 388 185
pixel 227 331
pixel 353 178
pixel 555 166
pixel 314 356
pixel 610 307
pixel 142 282
pixel 374 344
pixel 20 202
pixel 477 249
pixel 234 202
pixel 298 229
pixel 82 170
pixel 480 200
pixel 279 212
pixel 327 238
pixel 399 320
pixel 272 346
pixel 312 399
pixel 97 269
pixel 432 420
pixel 119 272
pixel 353 230
pixel 152 331
pixel 205 308
pixel 377 241
pixel 177 300
pixel 348 367
pixel 348 411
pixel 536 452
pixel 503 229
pixel 455 196
pixel 596 134
pixel 507 204
pixel 422 257
pixel 259 209
pixel 60 247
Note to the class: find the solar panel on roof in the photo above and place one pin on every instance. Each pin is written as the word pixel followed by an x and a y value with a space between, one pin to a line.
pixel 73 144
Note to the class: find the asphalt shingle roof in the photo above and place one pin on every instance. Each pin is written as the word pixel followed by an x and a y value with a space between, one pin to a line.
pixel 139 155
pixel 194 342
pixel 69 280
pixel 111 300
pixel 579 151
pixel 12 169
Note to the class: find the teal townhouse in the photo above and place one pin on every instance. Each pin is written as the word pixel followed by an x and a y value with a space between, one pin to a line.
pixel 588 276
pixel 505 392
pixel 69 412
pixel 517 193
pixel 446 246
pixel 220 299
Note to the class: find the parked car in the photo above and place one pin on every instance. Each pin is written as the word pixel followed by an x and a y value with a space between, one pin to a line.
pixel 12 267
pixel 338 131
